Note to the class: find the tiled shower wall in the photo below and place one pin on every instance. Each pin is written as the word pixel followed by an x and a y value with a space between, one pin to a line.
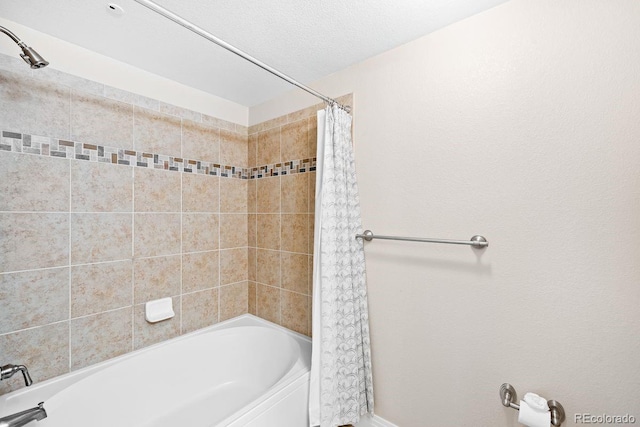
pixel 100 212
pixel 109 199
pixel 281 218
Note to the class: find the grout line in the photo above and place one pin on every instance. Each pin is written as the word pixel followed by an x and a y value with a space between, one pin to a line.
pixel 133 249
pixel 232 284
pixel 280 236
pixel 35 327
pixel 181 233
pixel 282 289
pixel 35 269
pixel 69 258
pixel 219 293
pixel 111 310
pixel 110 261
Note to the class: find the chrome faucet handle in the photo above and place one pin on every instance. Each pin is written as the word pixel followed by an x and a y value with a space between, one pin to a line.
pixel 7 371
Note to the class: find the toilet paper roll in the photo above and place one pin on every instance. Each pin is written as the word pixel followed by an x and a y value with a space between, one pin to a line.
pixel 533 418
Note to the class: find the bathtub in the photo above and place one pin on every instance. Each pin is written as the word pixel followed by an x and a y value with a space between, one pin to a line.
pixel 241 372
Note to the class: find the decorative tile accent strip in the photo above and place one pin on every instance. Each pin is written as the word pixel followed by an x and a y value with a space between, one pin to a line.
pixel 286 168
pixel 46 146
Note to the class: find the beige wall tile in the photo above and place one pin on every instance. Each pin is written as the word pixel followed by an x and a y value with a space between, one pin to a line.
pixel 156 190
pixel 100 337
pixel 268 195
pixel 200 271
pixel 200 142
pixel 33 240
pixel 252 196
pixel 200 232
pixel 312 192
pixel 200 193
pixel 268 269
pixel 268 231
pixel 295 312
pixel 311 230
pixel 309 112
pixel 100 287
pixel 241 129
pixel 269 124
pixel 185 113
pixel 252 259
pixel 295 233
pixel 101 121
pixel 252 225
pixel 233 195
pixel 233 230
pixel 100 237
pixel 44 350
pixel 310 276
pixel 156 234
pixel 254 129
pixel 155 278
pixel 252 298
pixel 99 187
pixel 294 193
pixel 34 106
pixel 13 64
pixel 219 123
pixel 146 334
pixel 310 316
pixel 268 303
pixel 33 183
pixel 313 136
pixel 155 132
pixel 295 272
pixel 233 300
pixel 269 147
pixel 233 265
pixel 252 154
pixel 199 310
pixel 131 98
pixel 233 149
pixel 295 141
pixel 33 298
pixel 75 82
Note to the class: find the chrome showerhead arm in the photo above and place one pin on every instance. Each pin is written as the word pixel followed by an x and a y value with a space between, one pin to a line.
pixel 29 55
pixel 10 34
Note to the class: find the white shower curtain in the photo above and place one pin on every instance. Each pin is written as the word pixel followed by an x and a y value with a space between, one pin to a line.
pixel 341 382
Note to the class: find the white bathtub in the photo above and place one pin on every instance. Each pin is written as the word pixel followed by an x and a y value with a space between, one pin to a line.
pixel 242 372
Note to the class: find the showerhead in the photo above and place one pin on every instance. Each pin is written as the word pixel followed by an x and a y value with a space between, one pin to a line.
pixel 32 57
pixel 29 55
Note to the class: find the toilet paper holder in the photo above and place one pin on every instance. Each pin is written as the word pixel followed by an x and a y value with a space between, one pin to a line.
pixel 509 397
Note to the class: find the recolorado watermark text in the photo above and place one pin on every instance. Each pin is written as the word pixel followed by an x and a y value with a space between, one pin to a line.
pixel 586 418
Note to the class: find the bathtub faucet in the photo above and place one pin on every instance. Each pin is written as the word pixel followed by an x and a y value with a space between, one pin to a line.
pixel 25 417
pixel 7 371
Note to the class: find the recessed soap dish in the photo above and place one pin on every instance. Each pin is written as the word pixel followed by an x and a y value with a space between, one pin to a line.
pixel 159 310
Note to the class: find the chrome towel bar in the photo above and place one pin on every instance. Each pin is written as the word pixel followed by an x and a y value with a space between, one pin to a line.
pixel 476 241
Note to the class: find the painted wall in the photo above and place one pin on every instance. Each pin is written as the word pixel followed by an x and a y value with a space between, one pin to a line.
pixel 520 124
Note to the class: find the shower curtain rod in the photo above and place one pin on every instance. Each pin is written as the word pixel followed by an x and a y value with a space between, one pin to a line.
pixel 199 31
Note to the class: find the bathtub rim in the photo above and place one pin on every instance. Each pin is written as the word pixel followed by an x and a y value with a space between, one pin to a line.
pixel 27 397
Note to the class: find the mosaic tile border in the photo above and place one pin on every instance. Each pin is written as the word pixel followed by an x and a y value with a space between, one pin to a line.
pixel 51 147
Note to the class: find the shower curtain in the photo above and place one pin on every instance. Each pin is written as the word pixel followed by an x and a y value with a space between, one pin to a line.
pixel 341 387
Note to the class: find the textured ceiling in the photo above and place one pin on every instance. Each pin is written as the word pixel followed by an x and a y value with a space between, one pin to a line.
pixel 305 39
